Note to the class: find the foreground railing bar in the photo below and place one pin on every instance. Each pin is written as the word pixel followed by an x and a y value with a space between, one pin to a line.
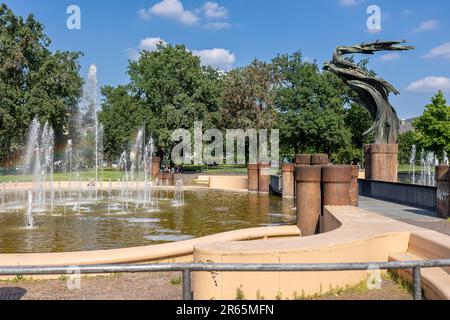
pixel 187 289
pixel 417 284
pixel 223 267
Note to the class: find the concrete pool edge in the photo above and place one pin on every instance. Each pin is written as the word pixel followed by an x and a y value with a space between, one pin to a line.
pixel 177 251
pixel 350 235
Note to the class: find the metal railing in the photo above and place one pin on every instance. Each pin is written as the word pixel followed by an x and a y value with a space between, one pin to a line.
pixel 187 270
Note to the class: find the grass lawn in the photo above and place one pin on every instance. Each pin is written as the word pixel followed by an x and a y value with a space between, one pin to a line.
pixel 114 174
pixel 406 168
pixel 216 170
pixel 108 174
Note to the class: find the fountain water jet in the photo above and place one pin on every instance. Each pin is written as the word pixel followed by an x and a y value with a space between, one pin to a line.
pixel 29 214
pixel 412 163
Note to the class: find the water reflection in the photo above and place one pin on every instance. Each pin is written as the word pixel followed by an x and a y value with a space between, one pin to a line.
pixel 205 213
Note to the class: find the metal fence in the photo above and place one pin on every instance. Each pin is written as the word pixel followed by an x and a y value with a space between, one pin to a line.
pixel 408 194
pixel 187 270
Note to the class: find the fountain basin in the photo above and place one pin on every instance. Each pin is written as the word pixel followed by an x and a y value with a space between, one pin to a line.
pixel 114 221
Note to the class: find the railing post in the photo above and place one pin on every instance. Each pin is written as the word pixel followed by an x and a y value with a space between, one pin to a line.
pixel 417 284
pixel 187 290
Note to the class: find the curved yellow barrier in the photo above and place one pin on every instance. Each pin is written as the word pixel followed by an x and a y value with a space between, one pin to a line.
pixel 351 235
pixel 174 251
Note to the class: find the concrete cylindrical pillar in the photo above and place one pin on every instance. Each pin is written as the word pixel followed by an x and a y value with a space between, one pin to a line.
pixel 156 166
pixel 263 177
pixel 252 175
pixel 303 160
pixel 288 179
pixel 376 164
pixel 336 185
pixel 309 199
pixel 354 187
pixel 443 191
pixel 392 162
pixel 319 159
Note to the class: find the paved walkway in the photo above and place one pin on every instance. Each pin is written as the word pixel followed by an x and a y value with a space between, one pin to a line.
pixel 415 216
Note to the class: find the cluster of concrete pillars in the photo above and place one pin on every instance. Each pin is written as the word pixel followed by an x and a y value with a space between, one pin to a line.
pixel 288 171
pixel 443 191
pixel 381 162
pixel 259 177
pixel 322 184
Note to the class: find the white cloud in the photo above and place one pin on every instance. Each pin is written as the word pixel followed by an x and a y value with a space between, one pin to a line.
pixel 348 3
pixel 390 57
pixel 150 44
pixel 218 25
pixel 213 10
pixel 430 85
pixel 172 9
pixel 427 26
pixel 216 58
pixel 440 51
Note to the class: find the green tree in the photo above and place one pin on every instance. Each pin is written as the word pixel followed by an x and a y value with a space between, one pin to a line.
pixel 248 98
pixel 311 106
pixel 175 91
pixel 405 143
pixel 358 120
pixel 433 126
pixel 121 117
pixel 33 81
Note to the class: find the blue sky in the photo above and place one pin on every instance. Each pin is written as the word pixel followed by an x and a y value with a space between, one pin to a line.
pixel 230 33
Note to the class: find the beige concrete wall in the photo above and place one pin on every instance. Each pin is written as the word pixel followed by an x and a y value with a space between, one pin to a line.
pixel 179 251
pixel 360 236
pixel 228 182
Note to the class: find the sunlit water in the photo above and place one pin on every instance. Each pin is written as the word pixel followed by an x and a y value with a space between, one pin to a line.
pixel 91 227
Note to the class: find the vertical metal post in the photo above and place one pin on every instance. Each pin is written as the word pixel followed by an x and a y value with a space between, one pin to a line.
pixel 417 284
pixel 187 290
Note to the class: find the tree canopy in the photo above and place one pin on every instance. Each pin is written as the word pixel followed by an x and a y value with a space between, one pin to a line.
pixel 433 127
pixel 174 91
pixel 311 107
pixel 33 81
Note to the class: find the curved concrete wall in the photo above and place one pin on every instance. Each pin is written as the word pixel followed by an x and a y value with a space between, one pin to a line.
pixel 175 251
pixel 228 182
pixel 361 236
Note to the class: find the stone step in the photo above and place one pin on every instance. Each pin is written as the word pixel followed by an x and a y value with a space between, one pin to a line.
pixel 435 281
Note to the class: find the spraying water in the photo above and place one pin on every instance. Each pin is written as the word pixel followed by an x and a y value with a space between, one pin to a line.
pixel 29 220
pixel 412 163
pixel 30 147
pixel 179 193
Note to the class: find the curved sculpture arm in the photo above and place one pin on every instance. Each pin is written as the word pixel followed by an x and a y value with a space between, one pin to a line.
pixel 373 93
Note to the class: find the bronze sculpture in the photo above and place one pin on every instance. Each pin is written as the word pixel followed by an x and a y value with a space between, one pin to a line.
pixel 373 93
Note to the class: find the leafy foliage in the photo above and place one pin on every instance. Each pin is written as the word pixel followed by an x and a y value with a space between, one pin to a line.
pixel 248 98
pixel 405 143
pixel 33 81
pixel 311 106
pixel 433 126
pixel 174 91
